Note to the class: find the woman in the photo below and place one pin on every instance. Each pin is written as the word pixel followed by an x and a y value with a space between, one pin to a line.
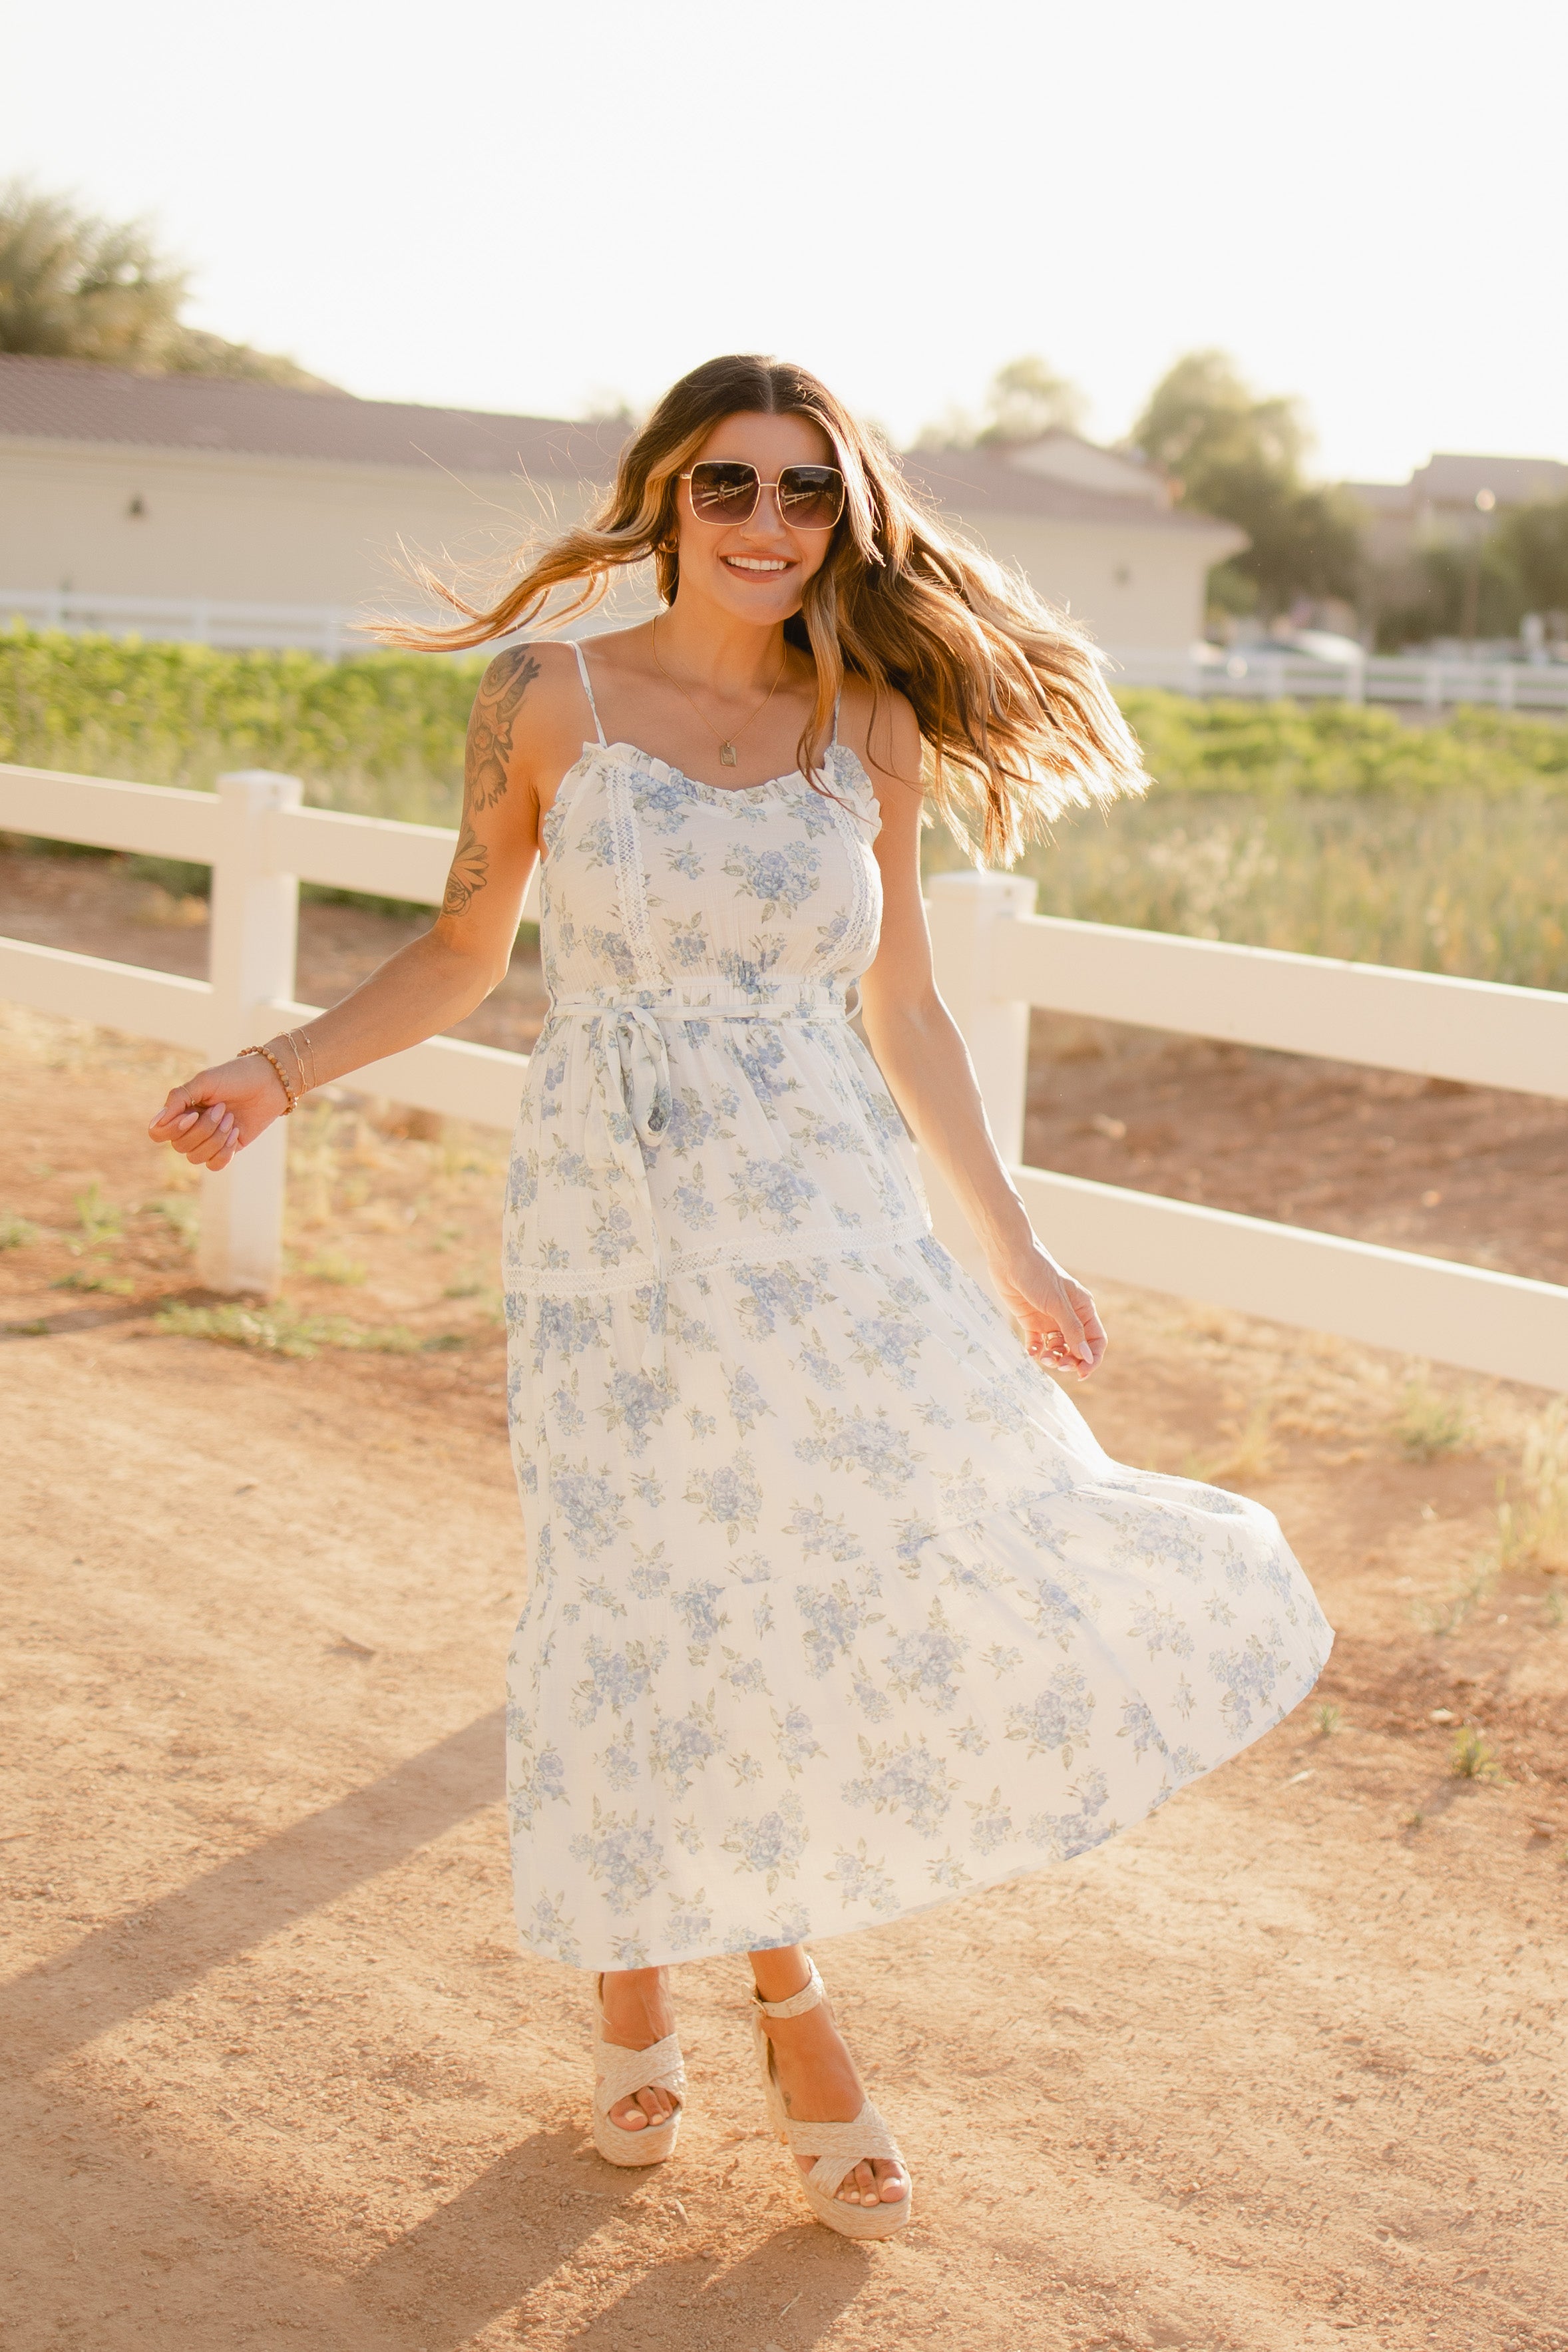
pixel 836 1608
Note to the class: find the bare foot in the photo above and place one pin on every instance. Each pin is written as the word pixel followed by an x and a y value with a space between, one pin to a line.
pixel 818 2078
pixel 638 2014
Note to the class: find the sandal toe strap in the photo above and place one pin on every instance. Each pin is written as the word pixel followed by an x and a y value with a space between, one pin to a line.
pixel 839 2147
pixel 622 2071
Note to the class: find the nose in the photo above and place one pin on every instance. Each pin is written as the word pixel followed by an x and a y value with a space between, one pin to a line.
pixel 767 517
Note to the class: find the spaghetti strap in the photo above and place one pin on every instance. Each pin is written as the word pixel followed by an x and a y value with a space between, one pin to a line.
pixel 836 700
pixel 588 690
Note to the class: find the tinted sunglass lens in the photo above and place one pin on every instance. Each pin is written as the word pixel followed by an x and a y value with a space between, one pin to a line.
pixel 722 492
pixel 811 497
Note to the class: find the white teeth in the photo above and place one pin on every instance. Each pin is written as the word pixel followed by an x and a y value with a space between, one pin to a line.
pixel 754 564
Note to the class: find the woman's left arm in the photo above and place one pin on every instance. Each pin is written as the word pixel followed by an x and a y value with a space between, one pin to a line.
pixel 927 1067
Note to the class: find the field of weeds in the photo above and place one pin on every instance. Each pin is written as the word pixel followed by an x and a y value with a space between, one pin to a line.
pixel 1335 830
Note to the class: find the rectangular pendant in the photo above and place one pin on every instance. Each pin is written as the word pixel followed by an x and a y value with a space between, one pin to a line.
pixel 727 755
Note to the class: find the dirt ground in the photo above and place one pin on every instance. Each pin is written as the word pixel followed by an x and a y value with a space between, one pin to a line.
pixel 1282 2067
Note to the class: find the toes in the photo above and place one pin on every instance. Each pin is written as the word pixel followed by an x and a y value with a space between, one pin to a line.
pixel 643 2111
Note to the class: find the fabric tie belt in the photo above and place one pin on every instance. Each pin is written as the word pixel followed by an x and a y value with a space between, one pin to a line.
pixel 631 1103
pixel 628 1048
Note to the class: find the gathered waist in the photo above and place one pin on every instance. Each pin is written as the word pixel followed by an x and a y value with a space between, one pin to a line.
pixel 722 1000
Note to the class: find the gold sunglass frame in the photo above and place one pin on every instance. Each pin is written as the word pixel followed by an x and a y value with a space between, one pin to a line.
pixel 729 522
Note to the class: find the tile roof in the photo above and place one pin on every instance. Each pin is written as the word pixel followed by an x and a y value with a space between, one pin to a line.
pixel 971 483
pixel 72 400
pixel 75 400
pixel 1454 479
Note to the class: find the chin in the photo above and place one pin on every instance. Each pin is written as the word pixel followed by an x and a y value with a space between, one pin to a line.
pixel 764 605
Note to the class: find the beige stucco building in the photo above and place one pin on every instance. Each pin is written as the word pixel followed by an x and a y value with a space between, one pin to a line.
pixel 127 487
pixel 1095 532
pixel 179 487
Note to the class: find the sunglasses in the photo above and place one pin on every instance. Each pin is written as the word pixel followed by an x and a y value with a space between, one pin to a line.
pixel 727 490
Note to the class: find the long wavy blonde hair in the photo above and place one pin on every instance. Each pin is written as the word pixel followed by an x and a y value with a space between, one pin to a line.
pixel 1016 719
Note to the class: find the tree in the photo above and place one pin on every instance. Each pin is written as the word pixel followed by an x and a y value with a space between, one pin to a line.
pixel 1232 455
pixel 1024 400
pixel 74 286
pixel 1028 399
pixel 1531 545
pixel 79 289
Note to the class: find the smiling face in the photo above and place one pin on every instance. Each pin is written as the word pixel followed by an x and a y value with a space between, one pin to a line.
pixel 755 571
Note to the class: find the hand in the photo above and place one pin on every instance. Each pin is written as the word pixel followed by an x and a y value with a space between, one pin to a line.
pixel 1057 1315
pixel 219 1112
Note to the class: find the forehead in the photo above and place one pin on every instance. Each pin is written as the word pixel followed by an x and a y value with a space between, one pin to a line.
pixel 769 442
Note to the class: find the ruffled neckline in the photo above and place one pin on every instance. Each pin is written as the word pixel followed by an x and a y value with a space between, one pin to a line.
pixel 664 773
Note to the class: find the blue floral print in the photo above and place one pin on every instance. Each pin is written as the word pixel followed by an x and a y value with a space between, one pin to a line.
pixel 835 1608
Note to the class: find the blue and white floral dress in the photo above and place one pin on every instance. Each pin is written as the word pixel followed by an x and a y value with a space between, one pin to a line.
pixel 835 1608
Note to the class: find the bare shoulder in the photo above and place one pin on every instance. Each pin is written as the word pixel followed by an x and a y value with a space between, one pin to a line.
pixel 545 677
pixel 527 722
pixel 880 728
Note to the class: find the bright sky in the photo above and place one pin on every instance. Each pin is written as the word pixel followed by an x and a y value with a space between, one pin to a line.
pixel 503 206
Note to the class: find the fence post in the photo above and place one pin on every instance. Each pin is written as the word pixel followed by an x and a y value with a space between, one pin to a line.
pixel 255 924
pixel 964 910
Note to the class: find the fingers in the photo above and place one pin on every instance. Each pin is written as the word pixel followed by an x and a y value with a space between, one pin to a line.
pixel 182 1108
pixel 1068 1331
pixel 212 1140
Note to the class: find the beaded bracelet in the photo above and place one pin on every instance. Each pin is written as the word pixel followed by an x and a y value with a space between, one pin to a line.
pixel 265 1050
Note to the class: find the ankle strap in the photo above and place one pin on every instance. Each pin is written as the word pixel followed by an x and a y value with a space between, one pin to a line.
pixel 810 1994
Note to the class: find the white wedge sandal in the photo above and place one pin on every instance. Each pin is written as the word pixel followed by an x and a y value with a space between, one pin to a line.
pixel 837 2148
pixel 618 2073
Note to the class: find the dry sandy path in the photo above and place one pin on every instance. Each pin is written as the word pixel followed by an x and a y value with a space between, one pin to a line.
pixel 1277 2069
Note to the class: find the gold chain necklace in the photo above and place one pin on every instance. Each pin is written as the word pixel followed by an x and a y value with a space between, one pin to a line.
pixel 727 743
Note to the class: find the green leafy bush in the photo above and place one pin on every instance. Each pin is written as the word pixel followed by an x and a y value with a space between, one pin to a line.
pixel 382 735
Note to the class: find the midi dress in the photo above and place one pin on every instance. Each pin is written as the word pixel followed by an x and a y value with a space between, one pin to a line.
pixel 837 1609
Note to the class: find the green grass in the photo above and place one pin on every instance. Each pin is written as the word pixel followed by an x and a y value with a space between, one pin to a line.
pixel 1330 829
pixel 282 1330
pixel 1430 1422
pixel 1472 1759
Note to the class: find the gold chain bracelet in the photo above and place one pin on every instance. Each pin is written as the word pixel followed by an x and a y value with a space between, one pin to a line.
pixel 268 1054
pixel 290 1038
pixel 295 1038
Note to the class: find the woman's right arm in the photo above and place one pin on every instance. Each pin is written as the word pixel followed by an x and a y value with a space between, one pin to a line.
pixel 436 979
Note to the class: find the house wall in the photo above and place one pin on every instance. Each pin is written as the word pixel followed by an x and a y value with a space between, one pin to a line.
pixel 301 531
pixel 247 529
pixel 1130 585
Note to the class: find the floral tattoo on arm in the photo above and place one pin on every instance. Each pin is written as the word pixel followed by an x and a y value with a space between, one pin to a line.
pixel 485 770
pixel 470 872
pixel 498 700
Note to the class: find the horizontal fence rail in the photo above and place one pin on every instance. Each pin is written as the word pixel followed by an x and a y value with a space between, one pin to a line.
pixel 1416 680
pixel 996 960
pixel 325 629
pixel 1479 1033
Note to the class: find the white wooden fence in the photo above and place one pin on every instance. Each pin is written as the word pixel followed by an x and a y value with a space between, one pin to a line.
pixel 995 959
pixel 1419 681
pixel 325 629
